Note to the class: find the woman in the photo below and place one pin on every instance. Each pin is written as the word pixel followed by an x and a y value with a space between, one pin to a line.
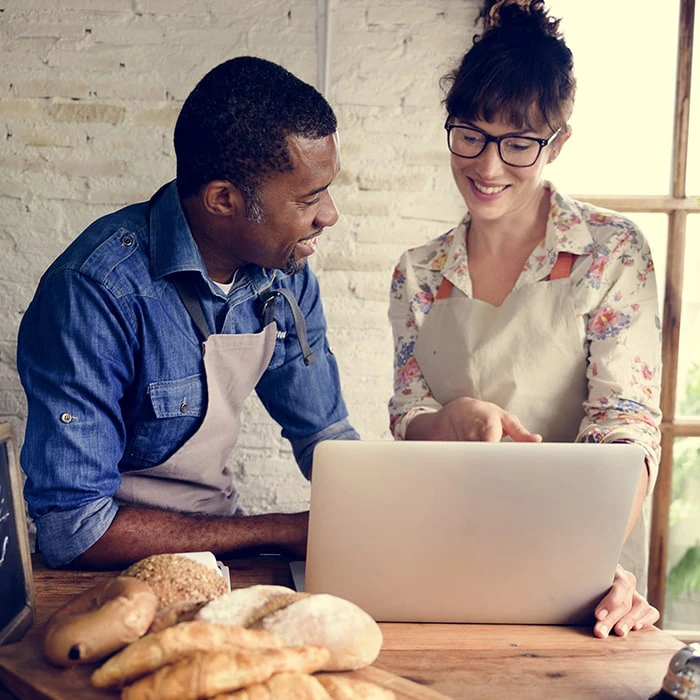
pixel 536 310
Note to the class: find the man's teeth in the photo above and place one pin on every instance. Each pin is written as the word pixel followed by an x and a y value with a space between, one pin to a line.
pixel 311 242
pixel 488 190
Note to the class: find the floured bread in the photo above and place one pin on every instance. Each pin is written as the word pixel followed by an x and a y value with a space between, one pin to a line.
pixel 172 644
pixel 206 674
pixel 351 635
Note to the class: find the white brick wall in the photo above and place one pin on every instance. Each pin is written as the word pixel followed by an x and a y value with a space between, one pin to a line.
pixel 89 93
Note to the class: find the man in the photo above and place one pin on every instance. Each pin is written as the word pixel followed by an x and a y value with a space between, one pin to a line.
pixel 146 335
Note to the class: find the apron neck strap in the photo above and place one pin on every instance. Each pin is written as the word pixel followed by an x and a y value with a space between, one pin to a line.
pixel 186 289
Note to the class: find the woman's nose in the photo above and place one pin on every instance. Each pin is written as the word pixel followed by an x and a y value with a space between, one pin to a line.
pixel 489 163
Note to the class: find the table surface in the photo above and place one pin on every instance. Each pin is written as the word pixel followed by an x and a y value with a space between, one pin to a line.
pixel 456 660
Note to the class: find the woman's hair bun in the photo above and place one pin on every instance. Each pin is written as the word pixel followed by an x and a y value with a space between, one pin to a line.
pixel 521 16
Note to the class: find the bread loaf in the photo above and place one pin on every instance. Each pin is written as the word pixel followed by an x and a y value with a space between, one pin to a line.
pixel 172 644
pixel 206 674
pixel 99 621
pixel 175 579
pixel 348 632
pixel 344 688
pixel 281 686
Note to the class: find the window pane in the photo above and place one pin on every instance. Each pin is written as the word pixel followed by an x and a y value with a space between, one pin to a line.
pixel 693 174
pixel 622 139
pixel 688 386
pixel 682 604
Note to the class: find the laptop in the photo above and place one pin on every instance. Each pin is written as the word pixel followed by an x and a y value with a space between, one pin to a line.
pixel 518 533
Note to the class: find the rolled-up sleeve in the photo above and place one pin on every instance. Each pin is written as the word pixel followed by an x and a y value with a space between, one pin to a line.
pixel 72 350
pixel 624 335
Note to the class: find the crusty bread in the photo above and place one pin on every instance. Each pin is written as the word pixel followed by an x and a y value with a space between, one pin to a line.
pixel 172 644
pixel 206 674
pixel 351 635
pixel 345 688
pixel 175 579
pixel 281 686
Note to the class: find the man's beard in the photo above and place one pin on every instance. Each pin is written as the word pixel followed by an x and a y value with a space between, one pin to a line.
pixel 255 213
pixel 293 265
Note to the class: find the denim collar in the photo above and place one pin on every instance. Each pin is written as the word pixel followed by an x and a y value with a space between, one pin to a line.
pixel 173 248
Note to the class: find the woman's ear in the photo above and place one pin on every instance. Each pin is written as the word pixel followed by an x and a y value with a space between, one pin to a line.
pixel 559 142
pixel 222 198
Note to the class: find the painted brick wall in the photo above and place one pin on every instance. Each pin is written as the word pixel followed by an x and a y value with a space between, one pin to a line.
pixel 89 93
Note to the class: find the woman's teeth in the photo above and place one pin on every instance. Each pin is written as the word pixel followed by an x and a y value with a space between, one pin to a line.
pixel 489 190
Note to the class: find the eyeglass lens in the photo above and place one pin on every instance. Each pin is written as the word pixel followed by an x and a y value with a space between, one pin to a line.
pixel 514 150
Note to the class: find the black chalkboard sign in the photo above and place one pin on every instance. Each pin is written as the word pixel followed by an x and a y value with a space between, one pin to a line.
pixel 16 583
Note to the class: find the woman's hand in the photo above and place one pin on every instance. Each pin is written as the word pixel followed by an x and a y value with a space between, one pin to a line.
pixel 466 419
pixel 623 610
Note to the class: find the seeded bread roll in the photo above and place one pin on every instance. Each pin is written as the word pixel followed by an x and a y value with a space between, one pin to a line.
pixel 176 579
pixel 348 632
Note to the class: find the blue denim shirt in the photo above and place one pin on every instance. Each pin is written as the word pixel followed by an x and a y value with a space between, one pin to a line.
pixel 106 351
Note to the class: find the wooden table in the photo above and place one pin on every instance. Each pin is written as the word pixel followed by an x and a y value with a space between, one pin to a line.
pixel 457 661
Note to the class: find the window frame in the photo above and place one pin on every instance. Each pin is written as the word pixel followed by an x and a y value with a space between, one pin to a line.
pixel 678 206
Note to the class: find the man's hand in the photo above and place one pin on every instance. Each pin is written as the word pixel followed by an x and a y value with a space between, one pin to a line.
pixel 466 419
pixel 623 610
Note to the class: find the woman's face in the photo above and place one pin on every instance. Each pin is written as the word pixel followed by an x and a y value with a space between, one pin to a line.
pixel 494 190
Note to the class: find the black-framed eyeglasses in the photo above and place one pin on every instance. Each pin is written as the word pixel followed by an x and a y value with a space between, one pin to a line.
pixel 518 151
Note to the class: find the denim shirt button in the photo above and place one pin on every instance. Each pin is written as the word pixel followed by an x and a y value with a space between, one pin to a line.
pixel 127 241
pixel 65 417
pixel 184 406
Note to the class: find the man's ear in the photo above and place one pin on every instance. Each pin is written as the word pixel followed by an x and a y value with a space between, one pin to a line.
pixel 559 142
pixel 221 198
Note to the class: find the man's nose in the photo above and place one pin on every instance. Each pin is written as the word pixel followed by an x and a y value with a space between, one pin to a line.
pixel 328 213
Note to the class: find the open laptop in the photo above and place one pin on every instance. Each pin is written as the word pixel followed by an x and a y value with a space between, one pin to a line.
pixel 518 533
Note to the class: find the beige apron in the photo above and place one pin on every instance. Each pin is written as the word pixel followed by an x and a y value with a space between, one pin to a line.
pixel 196 479
pixel 527 356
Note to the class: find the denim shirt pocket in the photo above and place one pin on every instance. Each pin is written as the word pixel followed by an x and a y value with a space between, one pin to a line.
pixel 172 415
pixel 279 353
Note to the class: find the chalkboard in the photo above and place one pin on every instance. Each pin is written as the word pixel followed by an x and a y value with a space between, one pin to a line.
pixel 16 582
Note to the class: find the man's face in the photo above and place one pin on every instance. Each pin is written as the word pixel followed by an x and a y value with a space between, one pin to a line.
pixel 294 208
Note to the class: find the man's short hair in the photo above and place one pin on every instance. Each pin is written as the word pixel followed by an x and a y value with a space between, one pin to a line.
pixel 234 125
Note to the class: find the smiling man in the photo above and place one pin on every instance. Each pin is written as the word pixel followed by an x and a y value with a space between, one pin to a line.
pixel 148 333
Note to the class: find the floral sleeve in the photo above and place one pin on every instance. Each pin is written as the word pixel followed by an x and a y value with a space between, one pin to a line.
pixel 411 392
pixel 624 335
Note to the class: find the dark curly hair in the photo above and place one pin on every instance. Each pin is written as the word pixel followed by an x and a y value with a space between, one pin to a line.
pixel 235 123
pixel 520 69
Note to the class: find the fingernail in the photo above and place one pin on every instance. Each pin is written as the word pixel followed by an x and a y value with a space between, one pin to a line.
pixel 639 626
pixel 602 614
pixel 624 629
pixel 603 630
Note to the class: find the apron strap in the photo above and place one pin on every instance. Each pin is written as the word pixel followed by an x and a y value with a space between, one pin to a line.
pixel 192 303
pixel 444 290
pixel 562 266
pixel 269 300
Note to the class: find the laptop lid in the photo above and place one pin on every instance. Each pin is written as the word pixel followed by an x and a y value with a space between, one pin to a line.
pixel 520 533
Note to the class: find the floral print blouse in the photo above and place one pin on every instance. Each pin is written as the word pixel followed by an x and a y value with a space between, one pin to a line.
pixel 615 297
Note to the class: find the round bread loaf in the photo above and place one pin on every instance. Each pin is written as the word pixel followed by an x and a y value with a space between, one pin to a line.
pixel 176 579
pixel 348 632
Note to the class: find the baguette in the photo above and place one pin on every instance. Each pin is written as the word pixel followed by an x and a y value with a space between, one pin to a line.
pixel 206 674
pixel 172 644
